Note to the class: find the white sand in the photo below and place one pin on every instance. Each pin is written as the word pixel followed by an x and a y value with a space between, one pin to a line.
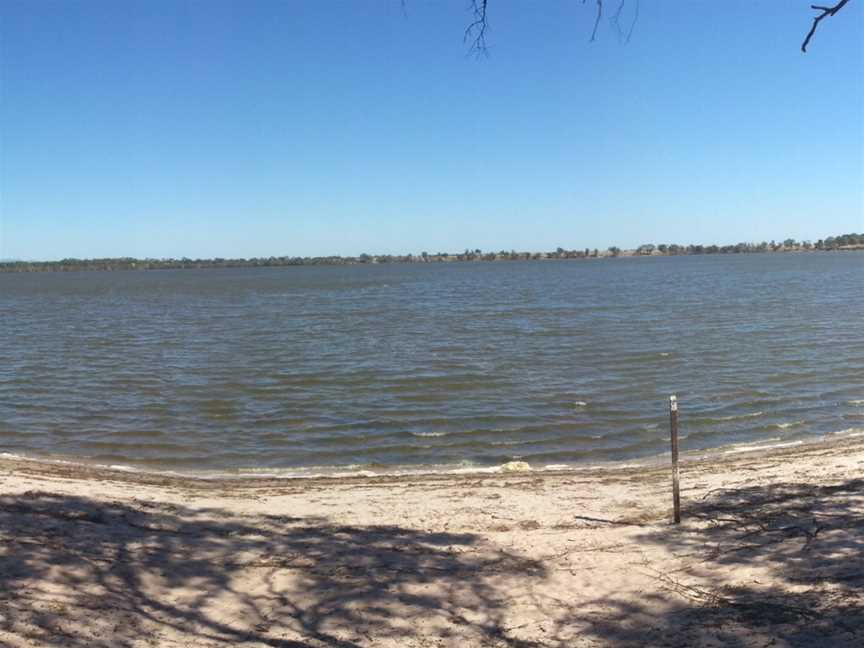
pixel 770 553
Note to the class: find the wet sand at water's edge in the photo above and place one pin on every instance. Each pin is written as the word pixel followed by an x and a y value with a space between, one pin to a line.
pixel 770 552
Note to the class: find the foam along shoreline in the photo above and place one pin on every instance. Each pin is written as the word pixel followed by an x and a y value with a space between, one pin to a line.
pixel 312 473
pixel 361 471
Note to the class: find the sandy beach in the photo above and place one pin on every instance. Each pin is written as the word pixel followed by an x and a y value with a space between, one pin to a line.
pixel 769 554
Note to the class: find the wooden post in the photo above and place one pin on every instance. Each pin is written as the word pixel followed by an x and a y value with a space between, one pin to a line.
pixel 673 425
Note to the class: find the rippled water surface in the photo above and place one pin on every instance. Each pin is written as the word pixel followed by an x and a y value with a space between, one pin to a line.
pixel 452 364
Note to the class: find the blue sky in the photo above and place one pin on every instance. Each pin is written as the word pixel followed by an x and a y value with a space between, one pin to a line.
pixel 169 128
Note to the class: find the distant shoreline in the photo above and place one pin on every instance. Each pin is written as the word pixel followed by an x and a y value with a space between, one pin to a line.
pixel 846 242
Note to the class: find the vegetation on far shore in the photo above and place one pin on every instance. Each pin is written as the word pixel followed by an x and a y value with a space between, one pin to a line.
pixel 832 243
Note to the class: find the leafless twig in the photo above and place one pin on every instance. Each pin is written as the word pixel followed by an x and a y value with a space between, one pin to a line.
pixel 475 33
pixel 615 20
pixel 597 19
pixel 633 24
pixel 826 11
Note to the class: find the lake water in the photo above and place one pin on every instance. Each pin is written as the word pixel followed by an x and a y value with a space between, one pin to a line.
pixel 445 365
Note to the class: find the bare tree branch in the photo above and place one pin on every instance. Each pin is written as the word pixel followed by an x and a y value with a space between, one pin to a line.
pixel 475 33
pixel 615 20
pixel 597 19
pixel 617 15
pixel 826 11
pixel 633 24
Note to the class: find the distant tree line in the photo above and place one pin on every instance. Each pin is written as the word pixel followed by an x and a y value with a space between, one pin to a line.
pixel 832 243
pixel 845 241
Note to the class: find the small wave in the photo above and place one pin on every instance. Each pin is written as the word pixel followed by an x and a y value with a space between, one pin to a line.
pixel 136 433
pixel 429 434
pixel 849 432
pixel 733 417
pixel 751 415
pixel 122 468
pixel 470 471
pixel 768 446
pixel 784 426
pixel 580 404
pixel 510 466
pixel 355 473
pixel 857 403
pixel 69 462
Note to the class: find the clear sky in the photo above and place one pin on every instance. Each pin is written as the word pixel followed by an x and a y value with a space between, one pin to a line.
pixel 256 128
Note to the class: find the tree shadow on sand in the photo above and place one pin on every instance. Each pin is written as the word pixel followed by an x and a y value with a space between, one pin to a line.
pixel 780 565
pixel 77 572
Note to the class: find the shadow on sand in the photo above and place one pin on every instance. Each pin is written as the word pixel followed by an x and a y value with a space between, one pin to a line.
pixel 77 572
pixel 778 565
pixel 761 566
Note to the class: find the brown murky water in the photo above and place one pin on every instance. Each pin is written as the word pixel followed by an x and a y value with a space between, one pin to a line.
pixel 430 365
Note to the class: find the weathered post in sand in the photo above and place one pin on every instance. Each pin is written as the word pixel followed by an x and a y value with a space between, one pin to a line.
pixel 673 425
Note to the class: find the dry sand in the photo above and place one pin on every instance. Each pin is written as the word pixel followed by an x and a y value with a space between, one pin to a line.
pixel 769 554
